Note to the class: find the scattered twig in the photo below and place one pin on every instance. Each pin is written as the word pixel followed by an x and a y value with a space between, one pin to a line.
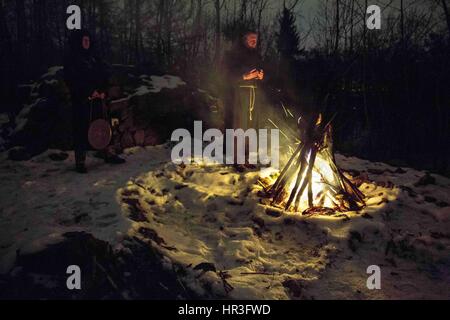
pixel 110 280
pixel 257 273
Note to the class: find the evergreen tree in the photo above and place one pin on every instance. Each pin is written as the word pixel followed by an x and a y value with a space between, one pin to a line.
pixel 288 40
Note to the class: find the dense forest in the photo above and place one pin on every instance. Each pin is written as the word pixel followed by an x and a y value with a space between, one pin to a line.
pixel 388 88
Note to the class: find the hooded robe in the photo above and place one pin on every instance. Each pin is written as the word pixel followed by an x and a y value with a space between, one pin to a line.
pixel 83 73
pixel 240 96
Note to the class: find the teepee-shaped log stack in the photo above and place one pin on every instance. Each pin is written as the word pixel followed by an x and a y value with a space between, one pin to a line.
pixel 311 180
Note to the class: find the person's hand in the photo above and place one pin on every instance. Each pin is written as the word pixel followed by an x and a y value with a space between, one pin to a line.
pixel 98 95
pixel 261 75
pixel 254 74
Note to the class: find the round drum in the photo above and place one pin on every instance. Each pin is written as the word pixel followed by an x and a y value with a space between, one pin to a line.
pixel 100 134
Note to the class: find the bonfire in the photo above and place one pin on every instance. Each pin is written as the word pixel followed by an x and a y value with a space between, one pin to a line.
pixel 311 182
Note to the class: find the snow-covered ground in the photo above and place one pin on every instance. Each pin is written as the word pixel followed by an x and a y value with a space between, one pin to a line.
pixel 42 199
pixel 154 84
pixel 210 225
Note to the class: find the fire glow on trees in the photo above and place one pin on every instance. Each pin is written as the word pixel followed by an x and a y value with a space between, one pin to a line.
pixel 311 182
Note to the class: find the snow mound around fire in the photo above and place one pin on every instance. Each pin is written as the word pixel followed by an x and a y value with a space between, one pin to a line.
pixel 210 225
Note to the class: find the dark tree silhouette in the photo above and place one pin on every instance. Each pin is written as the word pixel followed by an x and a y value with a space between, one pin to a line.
pixel 288 43
pixel 288 39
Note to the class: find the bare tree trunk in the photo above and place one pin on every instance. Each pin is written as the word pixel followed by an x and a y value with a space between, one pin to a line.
pixel 262 7
pixel 352 18
pixel 447 14
pixel 41 37
pixel 92 18
pixel 138 31
pixel 21 38
pixel 130 32
pixel 6 56
pixel 365 42
pixel 167 18
pixel 243 9
pixel 159 38
pixel 402 23
pixel 218 5
pixel 336 44
pixel 197 28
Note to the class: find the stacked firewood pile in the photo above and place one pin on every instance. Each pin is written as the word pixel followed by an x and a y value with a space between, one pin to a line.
pixel 130 133
pixel 147 114
pixel 296 179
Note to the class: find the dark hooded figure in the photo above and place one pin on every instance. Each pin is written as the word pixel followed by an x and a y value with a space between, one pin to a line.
pixel 87 79
pixel 244 71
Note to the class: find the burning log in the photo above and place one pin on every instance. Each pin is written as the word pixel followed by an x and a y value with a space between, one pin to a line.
pixel 311 179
